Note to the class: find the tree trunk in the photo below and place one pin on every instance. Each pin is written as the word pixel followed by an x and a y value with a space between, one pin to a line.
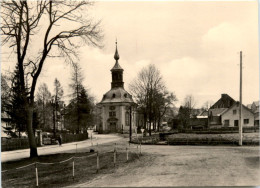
pixel 31 137
pixel 159 122
pixel 150 126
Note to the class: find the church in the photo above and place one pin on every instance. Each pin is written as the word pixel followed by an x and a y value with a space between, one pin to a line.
pixel 117 105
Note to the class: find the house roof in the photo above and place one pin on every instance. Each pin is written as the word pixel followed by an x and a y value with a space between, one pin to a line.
pixel 249 106
pixel 224 102
pixel 256 103
pixel 217 111
pixel 203 113
pixel 237 103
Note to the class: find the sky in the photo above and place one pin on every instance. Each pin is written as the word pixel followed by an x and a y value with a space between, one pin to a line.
pixel 194 44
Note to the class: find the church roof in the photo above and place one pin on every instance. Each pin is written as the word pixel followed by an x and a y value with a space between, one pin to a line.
pixel 117 67
pixel 117 95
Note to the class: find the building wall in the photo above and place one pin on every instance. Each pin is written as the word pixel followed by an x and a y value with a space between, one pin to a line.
pixel 120 110
pixel 246 114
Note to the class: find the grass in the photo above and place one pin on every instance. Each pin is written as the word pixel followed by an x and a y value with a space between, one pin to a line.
pixel 203 139
pixel 60 175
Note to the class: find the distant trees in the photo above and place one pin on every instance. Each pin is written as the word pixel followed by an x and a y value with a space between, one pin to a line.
pixel 151 95
pixel 80 109
pixel 21 22
pixel 5 93
pixel 186 111
pixel 16 107
pixel 43 99
pixel 57 103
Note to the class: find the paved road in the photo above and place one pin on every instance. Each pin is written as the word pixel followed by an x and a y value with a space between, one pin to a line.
pixel 186 166
pixel 52 149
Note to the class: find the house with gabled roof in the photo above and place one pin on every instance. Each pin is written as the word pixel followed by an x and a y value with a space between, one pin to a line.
pixel 225 113
pixel 215 111
pixel 230 117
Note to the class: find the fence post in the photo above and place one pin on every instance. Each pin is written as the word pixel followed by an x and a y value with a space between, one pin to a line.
pixel 126 154
pixel 36 174
pixel 115 156
pixel 73 173
pixel 140 148
pixel 97 162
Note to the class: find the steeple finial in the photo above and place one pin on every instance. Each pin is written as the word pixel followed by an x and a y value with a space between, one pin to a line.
pixel 116 56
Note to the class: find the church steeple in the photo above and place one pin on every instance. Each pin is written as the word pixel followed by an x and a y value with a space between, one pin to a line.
pixel 117 72
pixel 116 56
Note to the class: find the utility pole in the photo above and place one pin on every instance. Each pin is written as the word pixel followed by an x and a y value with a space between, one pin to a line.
pixel 130 131
pixel 240 105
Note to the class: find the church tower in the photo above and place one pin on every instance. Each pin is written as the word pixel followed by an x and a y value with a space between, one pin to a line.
pixel 117 73
pixel 115 104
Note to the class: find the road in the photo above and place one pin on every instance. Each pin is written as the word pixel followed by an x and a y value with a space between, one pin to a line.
pixel 52 149
pixel 186 166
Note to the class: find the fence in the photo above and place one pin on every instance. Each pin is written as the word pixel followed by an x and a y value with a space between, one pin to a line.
pixel 74 167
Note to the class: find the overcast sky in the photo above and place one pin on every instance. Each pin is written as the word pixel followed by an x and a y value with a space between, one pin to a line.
pixel 195 45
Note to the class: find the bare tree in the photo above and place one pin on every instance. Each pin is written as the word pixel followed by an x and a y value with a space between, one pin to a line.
pixel 207 105
pixel 149 91
pixel 21 21
pixel 163 101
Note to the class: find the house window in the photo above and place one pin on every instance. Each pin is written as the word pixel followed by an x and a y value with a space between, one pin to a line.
pixel 114 95
pixel 246 121
pixel 234 112
pixel 226 122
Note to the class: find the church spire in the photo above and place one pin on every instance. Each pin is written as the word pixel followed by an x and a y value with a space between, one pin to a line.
pixel 116 56
pixel 117 72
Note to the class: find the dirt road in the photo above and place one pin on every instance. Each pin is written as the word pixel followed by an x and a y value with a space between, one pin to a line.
pixel 186 166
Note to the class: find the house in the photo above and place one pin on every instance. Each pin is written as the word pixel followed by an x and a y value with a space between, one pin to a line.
pixel 225 113
pixel 230 117
pixel 215 111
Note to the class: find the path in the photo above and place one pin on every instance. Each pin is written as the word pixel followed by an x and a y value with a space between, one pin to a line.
pixel 52 149
pixel 186 166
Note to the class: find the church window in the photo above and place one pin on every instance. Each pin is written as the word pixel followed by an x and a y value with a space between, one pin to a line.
pixel 127 118
pixel 112 108
pixel 112 114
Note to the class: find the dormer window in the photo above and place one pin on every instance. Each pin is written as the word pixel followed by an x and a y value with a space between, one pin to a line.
pixel 114 95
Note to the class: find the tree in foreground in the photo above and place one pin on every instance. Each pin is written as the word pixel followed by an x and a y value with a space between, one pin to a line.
pixel 151 95
pixel 55 26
